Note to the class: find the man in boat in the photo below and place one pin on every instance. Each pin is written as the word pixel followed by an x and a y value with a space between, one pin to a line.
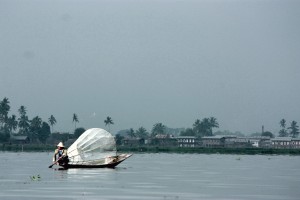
pixel 60 155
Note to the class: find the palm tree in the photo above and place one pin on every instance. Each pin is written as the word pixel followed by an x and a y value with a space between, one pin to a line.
pixel 75 119
pixel 108 122
pixel 294 129
pixel 213 124
pixel 142 133
pixel 12 123
pixel 22 110
pixel 36 122
pixel 283 132
pixel 23 120
pixel 282 123
pixel 4 109
pixel 52 121
pixel 131 133
pixel 206 126
pixel 158 128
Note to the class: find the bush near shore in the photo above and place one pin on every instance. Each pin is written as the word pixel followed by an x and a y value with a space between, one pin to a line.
pixel 159 149
pixel 27 147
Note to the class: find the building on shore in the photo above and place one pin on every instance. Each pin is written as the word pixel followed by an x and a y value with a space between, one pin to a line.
pixel 285 143
pixel 19 139
pixel 187 141
pixel 215 141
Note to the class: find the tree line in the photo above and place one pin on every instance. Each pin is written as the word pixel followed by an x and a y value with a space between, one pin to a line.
pixel 36 129
pixel 200 128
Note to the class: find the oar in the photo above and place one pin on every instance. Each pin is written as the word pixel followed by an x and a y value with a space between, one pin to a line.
pixel 55 162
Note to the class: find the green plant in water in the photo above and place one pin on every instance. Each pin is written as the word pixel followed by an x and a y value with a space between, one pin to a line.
pixel 35 178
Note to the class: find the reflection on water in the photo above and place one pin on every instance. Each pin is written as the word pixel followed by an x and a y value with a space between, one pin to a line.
pixel 154 176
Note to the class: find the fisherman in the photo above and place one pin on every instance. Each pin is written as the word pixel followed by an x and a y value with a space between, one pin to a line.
pixel 60 155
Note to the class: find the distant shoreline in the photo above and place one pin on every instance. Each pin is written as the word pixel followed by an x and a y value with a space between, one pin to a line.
pixel 156 149
pixel 240 151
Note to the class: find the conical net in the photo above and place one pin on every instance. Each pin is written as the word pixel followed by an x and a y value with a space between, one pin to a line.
pixel 92 147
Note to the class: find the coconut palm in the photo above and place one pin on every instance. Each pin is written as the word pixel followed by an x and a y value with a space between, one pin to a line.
pixel 12 123
pixel 213 124
pixel 282 123
pixel 23 120
pixel 283 132
pixel 294 129
pixel 158 128
pixel 75 119
pixel 4 109
pixel 52 121
pixel 142 133
pixel 22 110
pixel 108 121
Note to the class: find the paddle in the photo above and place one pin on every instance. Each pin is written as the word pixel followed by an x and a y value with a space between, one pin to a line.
pixel 55 162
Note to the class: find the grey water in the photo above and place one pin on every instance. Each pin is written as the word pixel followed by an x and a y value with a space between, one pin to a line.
pixel 153 177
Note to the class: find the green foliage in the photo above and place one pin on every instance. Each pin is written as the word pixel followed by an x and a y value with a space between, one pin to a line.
pixel 60 137
pixel 23 121
pixel 34 128
pixel 78 132
pixel 108 121
pixel 35 178
pixel 142 133
pixel 4 109
pixel 131 133
pixel 204 127
pixel 268 134
pixel 294 129
pixel 52 121
pixel 158 128
pixel 12 123
pixel 119 139
pixel 4 135
pixel 44 132
pixel 187 132
pixel 283 132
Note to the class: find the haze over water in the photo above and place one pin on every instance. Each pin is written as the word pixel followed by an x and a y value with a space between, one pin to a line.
pixel 154 177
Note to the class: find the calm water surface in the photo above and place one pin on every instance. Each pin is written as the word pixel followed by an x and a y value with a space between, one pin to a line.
pixel 154 176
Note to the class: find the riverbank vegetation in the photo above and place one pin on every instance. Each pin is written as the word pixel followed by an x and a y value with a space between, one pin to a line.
pixel 20 133
pixel 160 149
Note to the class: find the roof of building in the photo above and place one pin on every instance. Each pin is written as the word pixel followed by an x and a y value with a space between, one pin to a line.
pixel 219 136
pixel 282 139
pixel 186 137
pixel 19 137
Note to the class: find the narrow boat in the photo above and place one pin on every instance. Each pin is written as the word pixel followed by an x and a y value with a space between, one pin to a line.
pixel 115 160
pixel 95 148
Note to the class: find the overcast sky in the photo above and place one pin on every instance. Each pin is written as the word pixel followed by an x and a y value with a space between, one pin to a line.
pixel 142 62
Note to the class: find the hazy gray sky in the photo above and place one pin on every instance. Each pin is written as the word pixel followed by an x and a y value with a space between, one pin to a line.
pixel 142 62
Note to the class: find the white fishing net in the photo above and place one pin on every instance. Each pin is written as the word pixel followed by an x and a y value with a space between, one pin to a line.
pixel 93 147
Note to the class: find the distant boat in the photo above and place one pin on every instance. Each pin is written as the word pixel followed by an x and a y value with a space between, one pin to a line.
pixel 95 148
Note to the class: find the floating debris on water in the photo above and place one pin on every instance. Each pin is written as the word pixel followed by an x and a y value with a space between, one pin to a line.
pixel 35 178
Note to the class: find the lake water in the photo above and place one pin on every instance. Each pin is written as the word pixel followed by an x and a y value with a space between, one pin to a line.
pixel 154 177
